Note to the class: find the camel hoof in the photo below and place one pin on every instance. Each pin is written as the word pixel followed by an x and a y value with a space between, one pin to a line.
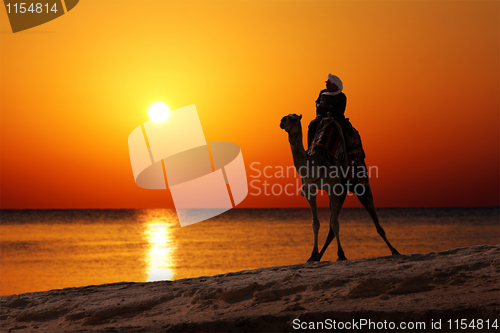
pixel 395 253
pixel 314 257
pixel 341 258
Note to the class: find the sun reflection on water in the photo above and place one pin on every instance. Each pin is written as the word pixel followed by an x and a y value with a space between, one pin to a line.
pixel 159 257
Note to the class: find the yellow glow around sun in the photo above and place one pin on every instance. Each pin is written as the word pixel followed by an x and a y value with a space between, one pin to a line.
pixel 159 112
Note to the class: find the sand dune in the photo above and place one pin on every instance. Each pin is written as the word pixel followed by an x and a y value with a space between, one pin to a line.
pixel 458 284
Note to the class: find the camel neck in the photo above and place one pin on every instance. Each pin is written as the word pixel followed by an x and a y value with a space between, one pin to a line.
pixel 298 151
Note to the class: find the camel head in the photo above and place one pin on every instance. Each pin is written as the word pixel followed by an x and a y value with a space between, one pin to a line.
pixel 291 123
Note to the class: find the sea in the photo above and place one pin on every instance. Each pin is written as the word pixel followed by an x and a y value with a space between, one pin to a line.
pixel 52 249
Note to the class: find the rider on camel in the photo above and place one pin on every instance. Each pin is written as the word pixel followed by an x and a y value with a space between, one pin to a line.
pixel 330 100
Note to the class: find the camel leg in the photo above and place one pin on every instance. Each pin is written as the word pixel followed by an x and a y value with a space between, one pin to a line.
pixel 331 234
pixel 367 201
pixel 334 223
pixel 311 199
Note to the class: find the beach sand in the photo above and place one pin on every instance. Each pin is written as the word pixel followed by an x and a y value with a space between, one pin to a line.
pixel 458 284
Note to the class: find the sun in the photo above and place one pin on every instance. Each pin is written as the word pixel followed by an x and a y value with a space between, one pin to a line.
pixel 159 112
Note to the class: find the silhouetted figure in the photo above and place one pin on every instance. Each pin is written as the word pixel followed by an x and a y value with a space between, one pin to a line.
pixel 332 100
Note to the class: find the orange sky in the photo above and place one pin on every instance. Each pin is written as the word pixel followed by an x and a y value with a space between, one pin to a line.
pixel 422 80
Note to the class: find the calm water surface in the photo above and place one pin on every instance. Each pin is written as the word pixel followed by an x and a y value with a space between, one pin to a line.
pixel 49 249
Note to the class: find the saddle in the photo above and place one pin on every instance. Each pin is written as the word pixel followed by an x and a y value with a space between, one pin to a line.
pixel 331 141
